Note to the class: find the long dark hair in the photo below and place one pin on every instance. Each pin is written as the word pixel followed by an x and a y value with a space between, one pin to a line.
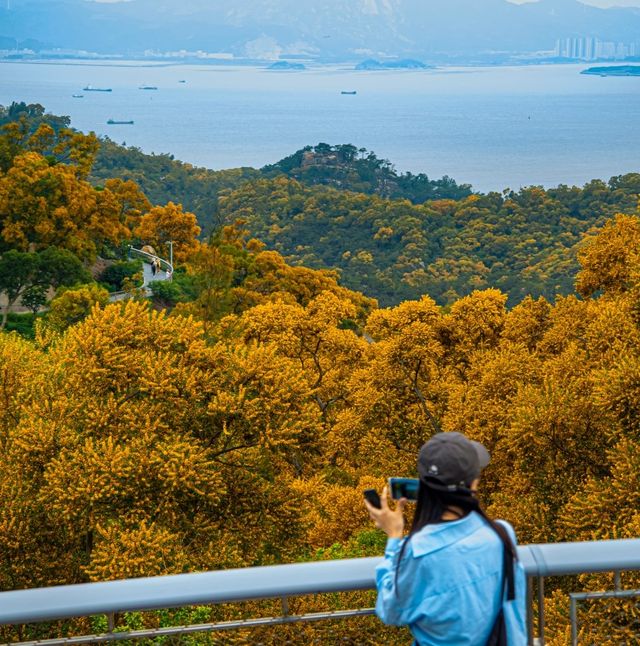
pixel 433 502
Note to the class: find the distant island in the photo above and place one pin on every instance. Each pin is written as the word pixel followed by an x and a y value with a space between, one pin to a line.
pixel 614 70
pixel 286 65
pixel 405 64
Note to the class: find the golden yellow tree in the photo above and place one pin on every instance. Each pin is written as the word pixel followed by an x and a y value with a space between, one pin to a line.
pixel 130 202
pixel 396 393
pixel 312 337
pixel 607 258
pixel 70 306
pixel 43 205
pixel 163 224
pixel 137 439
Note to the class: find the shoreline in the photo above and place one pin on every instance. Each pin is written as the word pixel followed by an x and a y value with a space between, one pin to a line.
pixel 310 65
pixel 492 127
pixel 613 70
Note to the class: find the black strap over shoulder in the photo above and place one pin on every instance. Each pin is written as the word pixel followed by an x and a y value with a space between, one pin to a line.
pixel 498 636
pixel 508 575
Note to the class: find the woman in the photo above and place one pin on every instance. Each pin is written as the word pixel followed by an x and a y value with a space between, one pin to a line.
pixel 445 580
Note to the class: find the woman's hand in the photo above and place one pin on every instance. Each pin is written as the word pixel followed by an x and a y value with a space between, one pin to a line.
pixel 390 521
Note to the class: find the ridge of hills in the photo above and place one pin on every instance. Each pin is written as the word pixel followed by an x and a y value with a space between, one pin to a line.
pixel 342 167
pixel 338 29
pixel 392 237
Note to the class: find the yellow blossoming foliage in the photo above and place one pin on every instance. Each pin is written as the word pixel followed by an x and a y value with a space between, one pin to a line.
pixel 139 443
pixel 44 205
pixel 131 420
pixel 145 550
pixel 163 224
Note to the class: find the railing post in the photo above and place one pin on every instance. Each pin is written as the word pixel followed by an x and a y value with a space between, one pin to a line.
pixel 616 580
pixel 111 622
pixel 285 606
pixel 573 616
pixel 530 641
pixel 541 610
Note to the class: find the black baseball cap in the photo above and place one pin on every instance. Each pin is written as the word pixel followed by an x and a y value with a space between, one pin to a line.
pixel 450 461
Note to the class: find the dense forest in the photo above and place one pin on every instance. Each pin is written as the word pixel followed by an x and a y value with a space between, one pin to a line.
pixel 235 417
pixel 525 242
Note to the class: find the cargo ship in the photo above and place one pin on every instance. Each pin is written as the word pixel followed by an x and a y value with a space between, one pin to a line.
pixel 114 122
pixel 90 88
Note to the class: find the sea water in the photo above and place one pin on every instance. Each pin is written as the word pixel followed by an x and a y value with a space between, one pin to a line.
pixel 493 127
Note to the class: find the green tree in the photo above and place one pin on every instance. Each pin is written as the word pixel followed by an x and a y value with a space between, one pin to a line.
pixel 23 272
pixel 34 298
pixel 116 273
pixel 59 267
pixel 18 272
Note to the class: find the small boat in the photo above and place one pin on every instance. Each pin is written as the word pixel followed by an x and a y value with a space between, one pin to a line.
pixel 77 96
pixel 181 81
pixel 114 122
pixel 147 87
pixel 348 92
pixel 90 88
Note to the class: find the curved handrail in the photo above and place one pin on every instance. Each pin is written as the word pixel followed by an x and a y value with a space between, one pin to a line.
pixel 266 582
pixel 165 266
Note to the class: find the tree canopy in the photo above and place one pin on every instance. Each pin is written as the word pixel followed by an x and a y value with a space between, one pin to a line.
pixel 234 418
pixel 524 243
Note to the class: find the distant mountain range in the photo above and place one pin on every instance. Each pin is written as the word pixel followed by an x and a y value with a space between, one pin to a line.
pixel 324 29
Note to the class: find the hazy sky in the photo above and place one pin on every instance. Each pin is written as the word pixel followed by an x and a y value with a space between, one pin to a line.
pixel 596 3
pixel 599 3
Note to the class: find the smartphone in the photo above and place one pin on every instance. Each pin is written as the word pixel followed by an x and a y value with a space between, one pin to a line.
pixel 373 498
pixel 404 488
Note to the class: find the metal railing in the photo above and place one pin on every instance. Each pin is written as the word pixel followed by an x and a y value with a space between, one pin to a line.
pixel 577 597
pixel 286 581
pixel 165 265
pixel 147 258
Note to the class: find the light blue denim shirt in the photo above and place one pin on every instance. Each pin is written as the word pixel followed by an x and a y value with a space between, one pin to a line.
pixel 449 583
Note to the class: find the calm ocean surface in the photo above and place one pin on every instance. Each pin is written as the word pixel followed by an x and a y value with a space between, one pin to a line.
pixel 492 127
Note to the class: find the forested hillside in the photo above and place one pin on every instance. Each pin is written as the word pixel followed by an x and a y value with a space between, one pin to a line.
pixel 235 418
pixel 391 236
pixel 361 171
pixel 344 167
pixel 164 179
pixel 523 242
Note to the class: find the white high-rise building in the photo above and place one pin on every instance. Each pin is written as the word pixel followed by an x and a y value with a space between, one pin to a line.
pixel 589 48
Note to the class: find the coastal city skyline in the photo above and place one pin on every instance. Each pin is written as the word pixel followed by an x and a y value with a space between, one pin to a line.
pixel 438 32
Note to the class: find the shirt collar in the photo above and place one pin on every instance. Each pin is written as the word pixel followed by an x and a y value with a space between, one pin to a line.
pixel 432 538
